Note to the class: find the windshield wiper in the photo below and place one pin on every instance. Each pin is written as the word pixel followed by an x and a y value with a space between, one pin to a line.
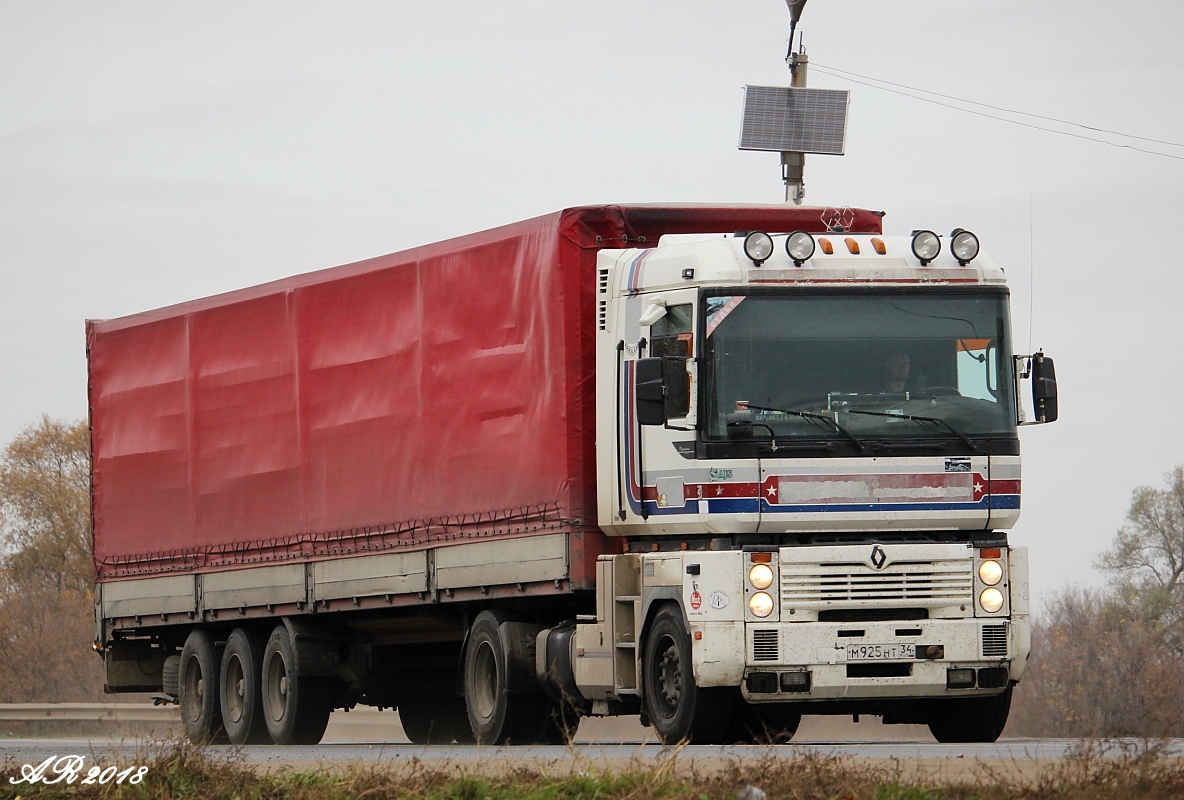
pixel 961 436
pixel 809 415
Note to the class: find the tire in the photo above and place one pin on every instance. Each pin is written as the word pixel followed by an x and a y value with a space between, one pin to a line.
pixel 456 716
pixel 242 696
pixel 197 684
pixel 170 676
pixel 435 720
pixel 496 648
pixel 296 708
pixel 970 719
pixel 678 710
pixel 762 723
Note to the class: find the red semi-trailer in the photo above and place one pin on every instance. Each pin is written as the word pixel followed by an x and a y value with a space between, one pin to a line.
pixel 438 394
pixel 403 482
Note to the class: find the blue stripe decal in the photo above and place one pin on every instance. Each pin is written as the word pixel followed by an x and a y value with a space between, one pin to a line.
pixel 749 505
pixel 733 505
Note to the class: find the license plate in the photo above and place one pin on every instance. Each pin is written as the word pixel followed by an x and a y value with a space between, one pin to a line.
pixel 881 652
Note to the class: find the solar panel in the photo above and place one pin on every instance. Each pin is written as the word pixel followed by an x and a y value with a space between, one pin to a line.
pixel 785 119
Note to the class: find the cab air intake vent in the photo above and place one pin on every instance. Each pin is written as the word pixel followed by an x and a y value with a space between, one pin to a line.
pixel 994 641
pixel 602 315
pixel 765 645
pixel 603 281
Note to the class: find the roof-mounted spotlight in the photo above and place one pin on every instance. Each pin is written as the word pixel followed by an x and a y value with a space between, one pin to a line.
pixel 758 246
pixel 800 247
pixel 964 246
pixel 926 246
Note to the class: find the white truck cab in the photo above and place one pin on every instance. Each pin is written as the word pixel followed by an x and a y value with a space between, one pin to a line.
pixel 808 446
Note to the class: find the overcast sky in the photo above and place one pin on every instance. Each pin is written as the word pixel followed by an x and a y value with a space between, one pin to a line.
pixel 155 152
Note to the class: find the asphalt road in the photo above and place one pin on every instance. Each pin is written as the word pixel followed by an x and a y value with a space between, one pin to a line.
pixel 108 751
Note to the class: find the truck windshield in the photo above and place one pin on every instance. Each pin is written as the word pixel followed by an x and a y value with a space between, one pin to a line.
pixel 868 361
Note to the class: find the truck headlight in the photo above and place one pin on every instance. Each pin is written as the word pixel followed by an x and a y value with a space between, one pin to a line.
pixel 761 604
pixel 990 573
pixel 991 600
pixel 760 576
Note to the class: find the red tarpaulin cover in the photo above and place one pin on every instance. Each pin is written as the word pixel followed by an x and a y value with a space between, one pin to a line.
pixel 437 394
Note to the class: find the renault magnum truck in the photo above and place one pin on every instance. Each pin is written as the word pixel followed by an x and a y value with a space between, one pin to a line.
pixel 718 466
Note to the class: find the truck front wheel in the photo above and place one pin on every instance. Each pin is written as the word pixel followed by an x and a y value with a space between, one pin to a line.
pixel 970 719
pixel 295 707
pixel 678 709
pixel 201 713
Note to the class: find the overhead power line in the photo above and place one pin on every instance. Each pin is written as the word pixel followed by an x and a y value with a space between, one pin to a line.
pixel 854 78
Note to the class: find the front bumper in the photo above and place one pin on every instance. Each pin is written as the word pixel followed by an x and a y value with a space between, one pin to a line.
pixel 963 657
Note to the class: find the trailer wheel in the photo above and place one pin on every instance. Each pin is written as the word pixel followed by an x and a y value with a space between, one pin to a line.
pixel 496 714
pixel 678 710
pixel 296 708
pixel 198 679
pixel 242 697
pixel 970 719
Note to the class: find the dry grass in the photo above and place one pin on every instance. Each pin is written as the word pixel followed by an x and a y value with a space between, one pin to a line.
pixel 179 771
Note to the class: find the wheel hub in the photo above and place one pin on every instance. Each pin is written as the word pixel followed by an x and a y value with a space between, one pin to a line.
pixel 670 676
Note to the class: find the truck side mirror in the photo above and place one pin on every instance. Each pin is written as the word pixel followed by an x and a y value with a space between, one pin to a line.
pixel 650 390
pixel 1044 388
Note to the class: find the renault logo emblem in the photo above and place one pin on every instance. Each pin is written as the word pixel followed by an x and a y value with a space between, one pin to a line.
pixel 879 557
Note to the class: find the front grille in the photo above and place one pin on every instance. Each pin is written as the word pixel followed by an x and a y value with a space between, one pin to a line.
pixel 765 645
pixel 995 641
pixel 602 281
pixel 930 584
pixel 602 315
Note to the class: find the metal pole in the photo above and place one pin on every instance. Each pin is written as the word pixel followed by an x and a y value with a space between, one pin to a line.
pixel 793 165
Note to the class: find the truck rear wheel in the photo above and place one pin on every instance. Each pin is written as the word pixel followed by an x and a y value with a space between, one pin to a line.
pixel 242 697
pixel 198 680
pixel 970 719
pixel 498 660
pixel 678 710
pixel 296 708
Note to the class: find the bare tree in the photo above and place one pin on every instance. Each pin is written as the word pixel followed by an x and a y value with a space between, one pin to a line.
pixel 1147 557
pixel 1099 667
